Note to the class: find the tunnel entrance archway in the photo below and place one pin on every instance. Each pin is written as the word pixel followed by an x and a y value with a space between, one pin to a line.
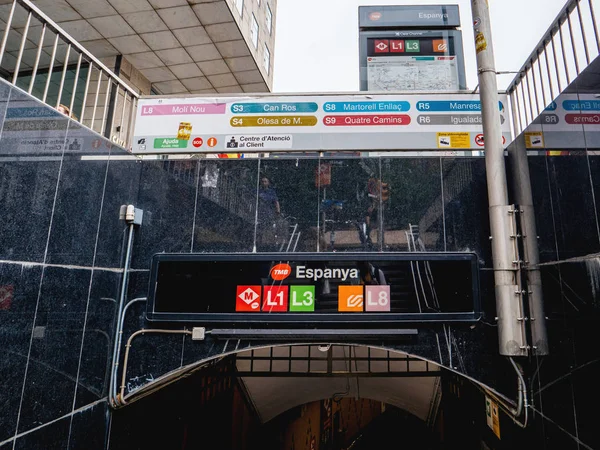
pixel 243 394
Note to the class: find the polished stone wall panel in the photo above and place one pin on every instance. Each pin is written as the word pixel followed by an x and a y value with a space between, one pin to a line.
pixel 54 436
pixel 167 196
pixel 27 194
pixel 85 437
pixel 413 216
pixel 98 340
pixel 466 216
pixel 56 346
pixel 19 287
pixel 121 188
pixel 225 206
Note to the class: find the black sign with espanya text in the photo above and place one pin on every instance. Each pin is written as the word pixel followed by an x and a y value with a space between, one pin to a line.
pixel 314 288
pixel 430 16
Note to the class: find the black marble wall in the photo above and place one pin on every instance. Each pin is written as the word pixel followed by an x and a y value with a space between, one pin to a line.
pixel 565 182
pixel 62 251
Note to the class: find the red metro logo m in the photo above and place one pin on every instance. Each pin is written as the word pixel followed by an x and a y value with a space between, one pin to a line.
pixel 281 272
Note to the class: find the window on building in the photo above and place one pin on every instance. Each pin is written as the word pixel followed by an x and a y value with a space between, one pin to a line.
pixel 239 5
pixel 254 31
pixel 269 18
pixel 267 59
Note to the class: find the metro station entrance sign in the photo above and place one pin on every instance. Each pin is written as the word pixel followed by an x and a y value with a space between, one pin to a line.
pixel 314 288
pixel 312 123
pixel 411 48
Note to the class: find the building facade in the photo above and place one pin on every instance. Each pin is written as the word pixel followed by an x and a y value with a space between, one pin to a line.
pixel 157 46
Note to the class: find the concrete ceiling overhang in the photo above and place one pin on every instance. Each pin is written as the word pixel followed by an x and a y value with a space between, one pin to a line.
pixel 272 395
pixel 180 46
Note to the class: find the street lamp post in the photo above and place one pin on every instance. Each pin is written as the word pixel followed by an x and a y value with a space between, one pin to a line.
pixel 508 290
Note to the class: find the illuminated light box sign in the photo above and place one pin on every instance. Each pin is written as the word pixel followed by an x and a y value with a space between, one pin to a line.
pixel 313 288
pixel 305 123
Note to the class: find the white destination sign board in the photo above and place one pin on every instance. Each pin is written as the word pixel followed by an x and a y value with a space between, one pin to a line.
pixel 271 123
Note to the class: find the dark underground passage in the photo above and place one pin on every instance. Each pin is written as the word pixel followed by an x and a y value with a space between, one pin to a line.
pixel 328 397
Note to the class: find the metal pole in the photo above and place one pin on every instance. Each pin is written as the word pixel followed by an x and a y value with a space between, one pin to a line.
pixel 524 198
pixel 511 331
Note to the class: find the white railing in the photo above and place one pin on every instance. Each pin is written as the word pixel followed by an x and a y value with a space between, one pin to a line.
pixel 562 54
pixel 41 58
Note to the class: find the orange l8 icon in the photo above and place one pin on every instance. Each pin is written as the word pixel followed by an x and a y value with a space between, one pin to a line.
pixel 350 299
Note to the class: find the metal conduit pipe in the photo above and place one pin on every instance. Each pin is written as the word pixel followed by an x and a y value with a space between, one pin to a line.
pixel 132 217
pixel 112 394
pixel 120 400
pixel 122 294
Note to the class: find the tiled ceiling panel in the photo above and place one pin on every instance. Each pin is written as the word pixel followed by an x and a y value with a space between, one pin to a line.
pixel 157 4
pixel 145 60
pixel 129 44
pixel 145 21
pixel 210 13
pixel 230 90
pixel 157 74
pixel 160 40
pixel 226 79
pixel 174 56
pixel 81 30
pixel 241 63
pixel 111 26
pixel 192 36
pixel 182 71
pixel 224 32
pixel 179 17
pixel 197 83
pixel 180 46
pixel 213 67
pixel 128 6
pixel 233 49
pixel 249 76
pixel 204 52
pixel 95 8
pixel 171 87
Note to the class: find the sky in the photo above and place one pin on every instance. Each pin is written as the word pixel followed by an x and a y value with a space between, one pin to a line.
pixel 316 47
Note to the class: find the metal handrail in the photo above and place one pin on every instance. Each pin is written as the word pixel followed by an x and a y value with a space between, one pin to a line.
pixel 108 113
pixel 528 89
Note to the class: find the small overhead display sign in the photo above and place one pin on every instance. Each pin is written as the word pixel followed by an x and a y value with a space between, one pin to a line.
pixel 426 16
pixel 312 288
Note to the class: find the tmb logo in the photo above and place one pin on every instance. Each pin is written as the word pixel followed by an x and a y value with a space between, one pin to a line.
pixel 281 271
pixel 375 16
